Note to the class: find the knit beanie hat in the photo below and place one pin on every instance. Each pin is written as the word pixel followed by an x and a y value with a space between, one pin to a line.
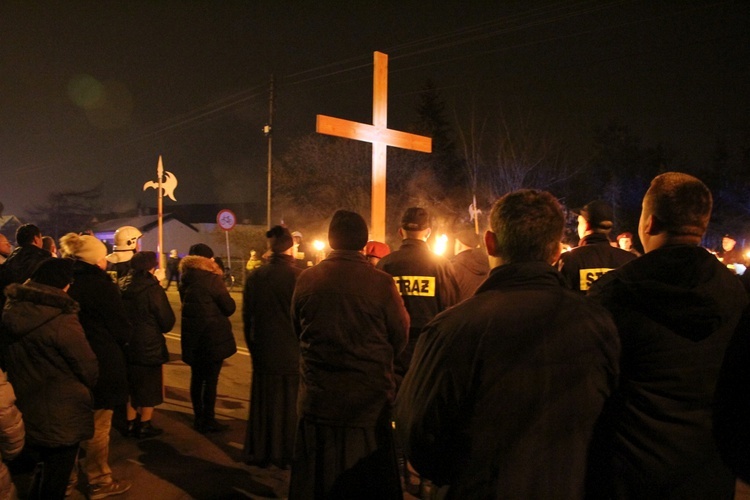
pixel 201 249
pixel 144 261
pixel 54 272
pixel 279 239
pixel 83 247
pixel 348 231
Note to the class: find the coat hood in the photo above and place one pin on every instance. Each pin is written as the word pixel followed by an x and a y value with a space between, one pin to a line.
pixel 31 305
pixel 198 263
pixel 676 287
pixel 136 282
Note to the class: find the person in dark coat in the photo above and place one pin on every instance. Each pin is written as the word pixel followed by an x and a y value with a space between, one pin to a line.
pixel 207 338
pixel 108 331
pixel 676 308
pixel 52 368
pixel 470 263
pixel 274 348
pixel 19 265
pixel 731 418
pixel 151 315
pixel 594 256
pixel 506 387
pixel 173 268
pixel 351 323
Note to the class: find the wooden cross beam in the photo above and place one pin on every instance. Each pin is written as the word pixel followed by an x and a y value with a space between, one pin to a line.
pixel 380 136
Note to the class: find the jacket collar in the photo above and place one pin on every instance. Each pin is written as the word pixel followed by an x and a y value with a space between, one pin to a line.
pixel 522 274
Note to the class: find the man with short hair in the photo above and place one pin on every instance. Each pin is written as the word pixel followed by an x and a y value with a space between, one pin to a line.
pixel 505 388
pixel 351 324
pixel 594 254
pixel 676 308
pixel 426 281
pixel 24 259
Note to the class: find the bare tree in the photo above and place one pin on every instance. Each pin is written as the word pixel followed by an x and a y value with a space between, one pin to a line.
pixel 67 211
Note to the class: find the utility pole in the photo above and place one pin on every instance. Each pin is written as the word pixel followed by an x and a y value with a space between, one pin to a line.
pixel 268 131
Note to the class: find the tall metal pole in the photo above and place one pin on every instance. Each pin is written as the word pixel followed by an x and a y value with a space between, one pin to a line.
pixel 269 134
pixel 160 211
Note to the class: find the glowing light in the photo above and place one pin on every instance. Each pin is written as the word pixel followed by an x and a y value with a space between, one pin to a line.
pixel 441 244
pixel 318 245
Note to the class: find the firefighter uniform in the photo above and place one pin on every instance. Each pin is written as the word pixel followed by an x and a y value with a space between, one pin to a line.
pixel 590 260
pixel 426 282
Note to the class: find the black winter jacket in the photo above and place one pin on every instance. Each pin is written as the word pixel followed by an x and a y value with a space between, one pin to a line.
pixel 206 308
pixel 50 364
pixel 351 324
pixel 151 316
pixel 19 266
pixel 592 258
pixel 107 329
pixel 676 309
pixel 506 388
pixel 266 313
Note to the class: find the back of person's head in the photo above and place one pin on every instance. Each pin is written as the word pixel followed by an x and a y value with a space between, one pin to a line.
pixel 144 261
pixel 347 231
pixel 54 272
pixel 528 226
pixel 681 203
pixel 279 240
pixel 26 233
pixel 598 215
pixel 414 221
pixel 48 243
pixel 467 236
pixel 83 247
pixel 202 250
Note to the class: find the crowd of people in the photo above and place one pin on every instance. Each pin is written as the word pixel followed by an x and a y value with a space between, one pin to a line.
pixel 514 369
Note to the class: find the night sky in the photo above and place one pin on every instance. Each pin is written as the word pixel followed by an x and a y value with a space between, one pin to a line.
pixel 93 92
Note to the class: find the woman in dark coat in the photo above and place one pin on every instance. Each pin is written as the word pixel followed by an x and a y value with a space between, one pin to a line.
pixel 151 315
pixel 52 369
pixel 275 350
pixel 108 331
pixel 207 338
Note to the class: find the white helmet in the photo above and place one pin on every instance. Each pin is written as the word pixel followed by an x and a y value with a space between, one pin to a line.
pixel 126 238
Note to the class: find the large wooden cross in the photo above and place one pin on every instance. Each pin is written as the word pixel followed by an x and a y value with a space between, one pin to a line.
pixel 380 136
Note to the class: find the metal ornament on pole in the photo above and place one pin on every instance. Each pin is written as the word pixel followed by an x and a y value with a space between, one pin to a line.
pixel 165 185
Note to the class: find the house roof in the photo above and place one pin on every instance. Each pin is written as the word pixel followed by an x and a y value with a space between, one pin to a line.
pixel 142 222
pixel 5 219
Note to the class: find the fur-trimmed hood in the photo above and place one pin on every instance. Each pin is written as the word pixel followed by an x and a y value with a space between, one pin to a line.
pixel 196 262
pixel 31 305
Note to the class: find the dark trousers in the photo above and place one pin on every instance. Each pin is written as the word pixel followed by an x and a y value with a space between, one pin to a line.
pixel 204 377
pixel 52 471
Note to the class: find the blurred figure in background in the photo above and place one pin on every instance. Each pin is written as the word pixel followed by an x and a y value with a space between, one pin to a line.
pixel 469 262
pixel 173 269
pixel 274 347
pixel 625 242
pixel 376 250
pixel 5 248
pixel 48 243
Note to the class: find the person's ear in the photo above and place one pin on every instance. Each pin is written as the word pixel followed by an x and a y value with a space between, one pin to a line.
pixel 401 233
pixel 490 242
pixel 653 225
